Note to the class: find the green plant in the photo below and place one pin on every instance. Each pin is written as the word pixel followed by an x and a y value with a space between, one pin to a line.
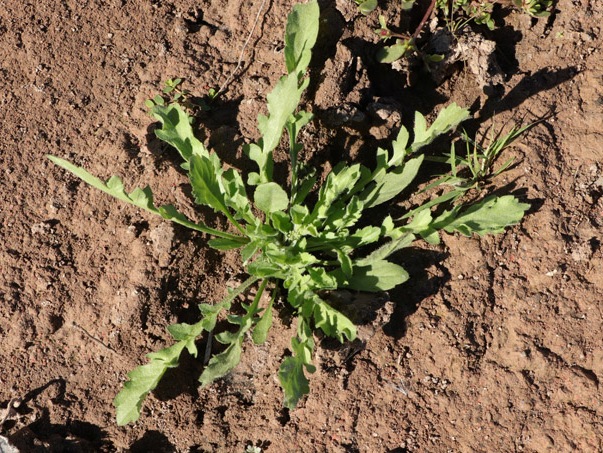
pixel 293 239
pixel 535 8
pixel 402 46
pixel 459 13
pixel 173 92
pixel 478 160
pixel 454 16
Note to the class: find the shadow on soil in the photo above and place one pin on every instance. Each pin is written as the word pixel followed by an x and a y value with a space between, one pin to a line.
pixel 42 435
pixel 532 84
pixel 423 283
pixel 152 442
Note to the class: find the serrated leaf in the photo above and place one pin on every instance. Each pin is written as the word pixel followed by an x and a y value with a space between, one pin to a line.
pixel 177 131
pixel 320 279
pixel 300 215
pixel 342 179
pixel 294 124
pixel 364 236
pixel 184 331
pixel 447 119
pixel 421 224
pixel 294 382
pixel 210 313
pixel 332 322
pixel 421 221
pixel 282 102
pixel 270 197
pixel 236 195
pixel 300 37
pixel 489 216
pixel 291 374
pixel 374 277
pixel 222 364
pixel 230 337
pixel 282 222
pixel 224 244
pixel 249 250
pixel 263 268
pixel 386 250
pixel 399 148
pixel 260 331
pixel 395 181
pixel 206 188
pixel 304 189
pixel 142 198
pixel 142 380
pixel 345 262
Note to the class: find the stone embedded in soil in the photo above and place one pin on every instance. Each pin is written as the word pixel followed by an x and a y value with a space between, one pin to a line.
pixel 161 237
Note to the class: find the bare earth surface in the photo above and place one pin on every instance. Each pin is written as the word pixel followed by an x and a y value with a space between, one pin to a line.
pixel 495 344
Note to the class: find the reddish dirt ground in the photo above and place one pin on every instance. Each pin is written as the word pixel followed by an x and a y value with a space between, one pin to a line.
pixel 493 345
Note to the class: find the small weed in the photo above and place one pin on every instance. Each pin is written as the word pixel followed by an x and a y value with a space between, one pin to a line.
pixel 454 15
pixel 478 160
pixel 174 93
pixel 293 244
pixel 535 8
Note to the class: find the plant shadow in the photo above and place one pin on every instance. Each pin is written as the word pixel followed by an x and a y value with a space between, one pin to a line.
pixel 43 435
pixel 427 277
pixel 152 442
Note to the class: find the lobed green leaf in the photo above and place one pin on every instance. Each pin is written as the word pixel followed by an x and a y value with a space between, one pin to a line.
pixel 374 277
pixel 260 331
pixel 447 119
pixel 332 322
pixel 206 188
pixel 222 364
pixel 394 182
pixel 489 216
pixel 142 198
pixel 177 131
pixel 142 380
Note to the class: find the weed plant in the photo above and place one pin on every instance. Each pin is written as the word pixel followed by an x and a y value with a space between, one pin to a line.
pixel 298 239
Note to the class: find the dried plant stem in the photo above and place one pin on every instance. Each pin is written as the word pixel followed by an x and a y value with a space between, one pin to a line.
pixel 424 20
pixel 93 338
pixel 240 60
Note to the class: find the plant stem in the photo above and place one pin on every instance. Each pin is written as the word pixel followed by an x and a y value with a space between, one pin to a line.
pixel 424 20
pixel 209 230
pixel 235 223
pixel 240 60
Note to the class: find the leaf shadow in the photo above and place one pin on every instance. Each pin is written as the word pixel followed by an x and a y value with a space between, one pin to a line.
pixel 73 435
pixel 152 441
pixel 427 276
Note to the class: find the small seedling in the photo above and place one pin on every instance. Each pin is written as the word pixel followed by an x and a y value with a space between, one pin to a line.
pixel 294 245
pixel 479 159
pixel 454 15
pixel 174 93
pixel 459 13
pixel 535 8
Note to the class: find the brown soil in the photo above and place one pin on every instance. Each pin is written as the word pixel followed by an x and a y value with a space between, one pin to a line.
pixel 494 344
